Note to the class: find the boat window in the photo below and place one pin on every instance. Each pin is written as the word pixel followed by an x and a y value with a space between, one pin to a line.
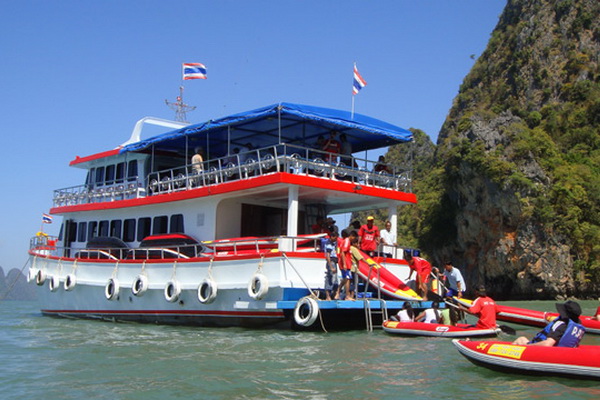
pixel 120 175
pixel 81 232
pixel 103 230
pixel 92 229
pixel 99 176
pixel 109 177
pixel 132 170
pixel 176 224
pixel 129 230
pixel 72 232
pixel 160 224
pixel 89 179
pixel 143 228
pixel 115 228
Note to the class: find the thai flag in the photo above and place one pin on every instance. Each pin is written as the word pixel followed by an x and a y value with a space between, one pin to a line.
pixel 194 71
pixel 46 219
pixel 359 82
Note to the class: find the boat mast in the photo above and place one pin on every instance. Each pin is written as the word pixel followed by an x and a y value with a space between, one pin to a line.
pixel 180 107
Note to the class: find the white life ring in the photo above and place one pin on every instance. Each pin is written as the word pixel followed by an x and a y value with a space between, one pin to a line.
pixel 70 282
pixel 140 285
pixel 111 290
pixel 40 277
pixel 258 286
pixel 53 283
pixel 207 291
pixel 306 311
pixel 31 274
pixel 172 291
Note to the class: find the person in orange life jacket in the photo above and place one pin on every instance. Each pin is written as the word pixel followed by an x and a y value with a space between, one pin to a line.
pixel 369 237
pixel 484 307
pixel 564 331
pixel 423 270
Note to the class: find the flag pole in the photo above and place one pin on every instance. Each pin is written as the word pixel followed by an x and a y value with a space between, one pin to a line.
pixel 352 113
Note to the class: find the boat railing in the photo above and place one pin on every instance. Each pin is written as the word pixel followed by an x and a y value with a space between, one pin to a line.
pixel 281 158
pixel 245 165
pixel 45 245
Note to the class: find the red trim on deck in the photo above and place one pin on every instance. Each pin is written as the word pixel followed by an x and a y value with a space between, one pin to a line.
pixel 244 184
pixel 97 156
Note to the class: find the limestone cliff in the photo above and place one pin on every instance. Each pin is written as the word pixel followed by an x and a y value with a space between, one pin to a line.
pixel 517 172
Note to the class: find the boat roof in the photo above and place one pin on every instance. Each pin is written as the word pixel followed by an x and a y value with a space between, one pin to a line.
pixel 278 123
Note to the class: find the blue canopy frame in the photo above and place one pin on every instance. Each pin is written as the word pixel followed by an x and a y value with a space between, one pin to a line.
pixel 287 123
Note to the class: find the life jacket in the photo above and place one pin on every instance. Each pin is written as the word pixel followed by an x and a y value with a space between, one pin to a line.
pixel 571 338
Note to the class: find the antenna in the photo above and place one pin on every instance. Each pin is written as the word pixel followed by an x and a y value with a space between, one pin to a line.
pixel 180 107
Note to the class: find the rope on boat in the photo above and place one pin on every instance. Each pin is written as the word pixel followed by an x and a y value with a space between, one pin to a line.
pixel 312 293
pixel 12 285
pixel 174 273
pixel 115 270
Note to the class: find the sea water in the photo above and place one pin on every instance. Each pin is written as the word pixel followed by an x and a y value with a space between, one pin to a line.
pixel 53 358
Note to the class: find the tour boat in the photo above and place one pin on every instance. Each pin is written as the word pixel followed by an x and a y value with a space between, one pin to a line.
pixel 579 362
pixel 437 330
pixel 147 236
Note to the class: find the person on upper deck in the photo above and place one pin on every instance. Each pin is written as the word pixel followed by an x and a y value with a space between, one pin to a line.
pixel 369 237
pixel 381 166
pixel 484 307
pixel 564 331
pixel 332 147
pixel 198 160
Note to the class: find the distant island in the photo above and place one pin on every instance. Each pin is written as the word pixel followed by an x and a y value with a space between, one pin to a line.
pixel 14 286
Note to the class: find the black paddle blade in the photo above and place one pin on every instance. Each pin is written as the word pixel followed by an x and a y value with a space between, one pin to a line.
pixel 507 329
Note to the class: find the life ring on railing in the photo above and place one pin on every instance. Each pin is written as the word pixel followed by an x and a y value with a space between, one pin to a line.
pixel 53 283
pixel 207 291
pixel 258 286
pixel 140 285
pixel 306 311
pixel 40 277
pixel 111 290
pixel 172 291
pixel 70 282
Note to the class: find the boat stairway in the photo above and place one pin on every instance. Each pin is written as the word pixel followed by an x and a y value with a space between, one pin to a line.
pixel 369 312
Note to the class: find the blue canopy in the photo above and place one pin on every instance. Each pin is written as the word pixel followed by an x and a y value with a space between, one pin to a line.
pixel 278 123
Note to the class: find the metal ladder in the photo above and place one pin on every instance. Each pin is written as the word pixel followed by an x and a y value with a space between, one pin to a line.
pixel 369 312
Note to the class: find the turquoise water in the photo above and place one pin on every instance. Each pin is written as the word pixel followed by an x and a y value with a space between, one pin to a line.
pixel 49 358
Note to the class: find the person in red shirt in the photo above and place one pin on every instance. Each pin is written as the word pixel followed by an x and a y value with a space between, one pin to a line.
pixel 423 269
pixel 484 307
pixel 369 237
pixel 333 147
pixel 597 315
pixel 345 261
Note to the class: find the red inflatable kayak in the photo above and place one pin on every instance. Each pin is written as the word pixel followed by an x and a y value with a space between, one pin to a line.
pixel 540 318
pixel 438 330
pixel 379 276
pixel 524 316
pixel 581 362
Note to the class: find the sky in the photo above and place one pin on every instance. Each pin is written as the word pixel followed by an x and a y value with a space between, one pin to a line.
pixel 75 75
